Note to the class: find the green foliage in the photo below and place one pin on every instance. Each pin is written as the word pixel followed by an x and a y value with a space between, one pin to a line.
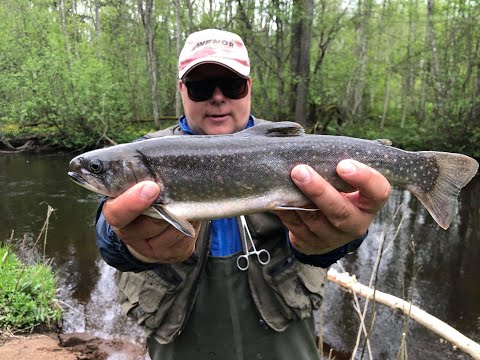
pixel 27 294
pixel 79 84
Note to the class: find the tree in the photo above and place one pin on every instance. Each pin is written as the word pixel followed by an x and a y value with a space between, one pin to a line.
pixel 300 59
pixel 146 9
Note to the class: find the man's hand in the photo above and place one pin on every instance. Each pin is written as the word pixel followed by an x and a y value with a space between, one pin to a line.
pixel 342 217
pixel 148 239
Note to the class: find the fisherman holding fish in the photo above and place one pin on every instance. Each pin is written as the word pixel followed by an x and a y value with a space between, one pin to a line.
pixel 240 287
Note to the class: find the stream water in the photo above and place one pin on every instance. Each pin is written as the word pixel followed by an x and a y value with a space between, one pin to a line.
pixel 437 269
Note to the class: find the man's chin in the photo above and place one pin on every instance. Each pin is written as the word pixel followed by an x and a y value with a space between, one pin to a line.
pixel 219 126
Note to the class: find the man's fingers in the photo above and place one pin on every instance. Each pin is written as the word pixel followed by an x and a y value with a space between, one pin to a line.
pixel 142 227
pixel 373 187
pixel 172 245
pixel 337 209
pixel 301 235
pixel 123 209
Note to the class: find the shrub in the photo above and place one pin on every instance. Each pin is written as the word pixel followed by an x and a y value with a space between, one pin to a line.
pixel 27 294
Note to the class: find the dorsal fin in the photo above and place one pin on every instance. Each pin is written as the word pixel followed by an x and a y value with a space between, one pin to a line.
pixel 280 129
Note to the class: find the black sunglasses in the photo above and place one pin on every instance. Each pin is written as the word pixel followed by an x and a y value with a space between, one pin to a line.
pixel 202 90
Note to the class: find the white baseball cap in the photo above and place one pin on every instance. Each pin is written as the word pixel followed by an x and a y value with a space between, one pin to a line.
pixel 214 46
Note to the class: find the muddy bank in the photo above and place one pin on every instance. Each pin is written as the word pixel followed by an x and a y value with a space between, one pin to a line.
pixel 76 346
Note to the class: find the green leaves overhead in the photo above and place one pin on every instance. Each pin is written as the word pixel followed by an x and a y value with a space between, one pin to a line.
pixel 80 67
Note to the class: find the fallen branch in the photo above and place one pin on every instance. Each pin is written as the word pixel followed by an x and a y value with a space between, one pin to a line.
pixel 430 322
pixel 12 149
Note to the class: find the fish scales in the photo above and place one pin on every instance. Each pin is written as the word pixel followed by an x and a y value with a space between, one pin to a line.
pixel 205 177
pixel 230 167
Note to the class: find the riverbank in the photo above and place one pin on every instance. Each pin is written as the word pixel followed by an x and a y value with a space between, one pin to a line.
pixel 76 346
pixel 40 138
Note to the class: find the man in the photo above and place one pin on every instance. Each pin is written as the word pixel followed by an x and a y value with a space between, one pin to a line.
pixel 188 291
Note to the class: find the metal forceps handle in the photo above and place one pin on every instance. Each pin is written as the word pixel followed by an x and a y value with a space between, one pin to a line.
pixel 263 255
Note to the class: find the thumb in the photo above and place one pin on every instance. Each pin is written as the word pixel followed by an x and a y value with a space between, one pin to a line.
pixel 122 210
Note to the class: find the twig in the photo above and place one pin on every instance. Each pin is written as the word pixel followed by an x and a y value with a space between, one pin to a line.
pixel 373 281
pixel 71 307
pixel 44 229
pixel 429 321
pixel 105 125
pixel 358 309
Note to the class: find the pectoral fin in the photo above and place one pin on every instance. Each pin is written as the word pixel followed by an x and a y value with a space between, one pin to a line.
pixel 160 212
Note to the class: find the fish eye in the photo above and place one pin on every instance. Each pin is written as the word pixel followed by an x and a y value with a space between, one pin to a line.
pixel 95 166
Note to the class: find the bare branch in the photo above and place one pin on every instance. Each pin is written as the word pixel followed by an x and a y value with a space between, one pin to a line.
pixel 429 321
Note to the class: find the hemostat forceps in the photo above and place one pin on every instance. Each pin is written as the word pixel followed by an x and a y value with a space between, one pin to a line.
pixel 263 255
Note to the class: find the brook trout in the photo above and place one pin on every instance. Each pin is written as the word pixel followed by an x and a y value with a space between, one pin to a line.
pixel 215 176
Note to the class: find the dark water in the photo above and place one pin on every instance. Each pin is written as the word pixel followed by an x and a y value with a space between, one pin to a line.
pixel 445 264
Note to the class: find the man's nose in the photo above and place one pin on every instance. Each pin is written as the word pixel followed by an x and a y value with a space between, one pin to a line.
pixel 217 94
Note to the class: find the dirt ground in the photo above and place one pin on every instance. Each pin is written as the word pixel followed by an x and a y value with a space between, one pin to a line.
pixel 78 346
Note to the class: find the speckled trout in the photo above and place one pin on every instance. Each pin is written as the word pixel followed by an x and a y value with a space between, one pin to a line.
pixel 215 176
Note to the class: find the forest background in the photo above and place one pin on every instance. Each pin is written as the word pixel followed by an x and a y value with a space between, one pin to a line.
pixel 84 73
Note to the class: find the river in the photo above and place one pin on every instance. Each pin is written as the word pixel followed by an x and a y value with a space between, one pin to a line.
pixel 437 268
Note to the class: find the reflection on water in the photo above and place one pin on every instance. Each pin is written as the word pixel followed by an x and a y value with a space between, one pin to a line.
pixel 444 263
pixel 87 290
pixel 443 266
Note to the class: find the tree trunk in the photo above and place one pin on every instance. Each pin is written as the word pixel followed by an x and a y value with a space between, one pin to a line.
pixel 98 24
pixel 357 89
pixel 146 9
pixel 475 119
pixel 386 100
pixel 190 15
pixel 408 73
pixel 389 41
pixel 435 64
pixel 178 99
pixel 301 41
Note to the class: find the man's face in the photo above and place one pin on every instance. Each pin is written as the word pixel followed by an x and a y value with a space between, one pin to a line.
pixel 219 114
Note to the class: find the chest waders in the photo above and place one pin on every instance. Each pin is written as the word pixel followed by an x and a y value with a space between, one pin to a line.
pixel 225 324
pixel 206 308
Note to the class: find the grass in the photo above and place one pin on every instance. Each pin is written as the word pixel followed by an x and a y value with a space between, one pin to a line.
pixel 27 294
pixel 28 299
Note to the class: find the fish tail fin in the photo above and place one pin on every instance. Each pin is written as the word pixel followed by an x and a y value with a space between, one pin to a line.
pixel 454 172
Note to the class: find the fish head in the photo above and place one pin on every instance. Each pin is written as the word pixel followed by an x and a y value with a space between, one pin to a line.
pixel 108 171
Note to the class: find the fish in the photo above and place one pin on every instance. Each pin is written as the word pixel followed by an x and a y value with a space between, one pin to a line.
pixel 206 177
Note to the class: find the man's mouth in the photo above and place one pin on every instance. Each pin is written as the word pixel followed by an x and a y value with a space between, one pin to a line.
pixel 218 117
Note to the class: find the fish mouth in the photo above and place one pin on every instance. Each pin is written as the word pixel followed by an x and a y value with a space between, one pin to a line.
pixel 77 178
